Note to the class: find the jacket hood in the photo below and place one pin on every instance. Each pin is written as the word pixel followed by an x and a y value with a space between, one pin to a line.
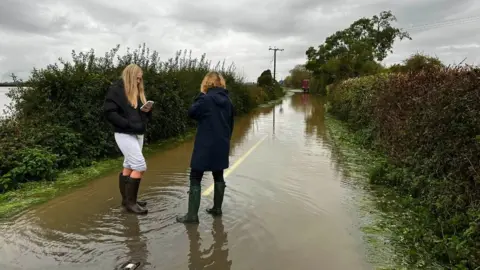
pixel 219 96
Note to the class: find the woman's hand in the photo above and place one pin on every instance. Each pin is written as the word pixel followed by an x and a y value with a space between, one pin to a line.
pixel 146 109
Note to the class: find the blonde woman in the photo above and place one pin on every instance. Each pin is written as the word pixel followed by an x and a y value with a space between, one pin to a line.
pixel 122 108
pixel 214 112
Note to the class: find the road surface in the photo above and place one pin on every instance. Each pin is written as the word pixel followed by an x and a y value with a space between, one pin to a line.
pixel 286 206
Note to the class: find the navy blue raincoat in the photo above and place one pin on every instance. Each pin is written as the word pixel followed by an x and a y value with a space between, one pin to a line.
pixel 214 113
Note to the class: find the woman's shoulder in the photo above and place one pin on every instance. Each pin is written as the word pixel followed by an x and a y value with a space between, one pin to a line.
pixel 200 96
pixel 116 86
pixel 115 90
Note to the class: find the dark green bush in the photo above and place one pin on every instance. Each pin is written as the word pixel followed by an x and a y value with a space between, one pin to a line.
pixel 29 164
pixel 427 124
pixel 265 79
pixel 64 142
pixel 57 120
pixel 272 88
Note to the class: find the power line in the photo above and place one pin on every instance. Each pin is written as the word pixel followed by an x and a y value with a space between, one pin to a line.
pixel 275 49
pixel 444 23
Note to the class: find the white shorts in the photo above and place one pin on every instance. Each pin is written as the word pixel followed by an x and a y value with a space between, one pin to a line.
pixel 131 146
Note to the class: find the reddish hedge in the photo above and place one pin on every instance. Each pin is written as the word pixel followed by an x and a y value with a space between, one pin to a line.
pixel 428 125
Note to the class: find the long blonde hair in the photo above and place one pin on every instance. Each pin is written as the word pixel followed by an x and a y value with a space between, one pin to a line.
pixel 133 88
pixel 212 79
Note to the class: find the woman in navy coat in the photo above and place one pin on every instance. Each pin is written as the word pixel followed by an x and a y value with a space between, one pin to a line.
pixel 214 112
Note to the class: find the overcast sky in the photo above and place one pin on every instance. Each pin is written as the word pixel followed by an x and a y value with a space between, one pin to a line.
pixel 36 33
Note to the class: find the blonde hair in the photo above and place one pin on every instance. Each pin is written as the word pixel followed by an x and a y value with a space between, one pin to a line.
pixel 212 79
pixel 133 88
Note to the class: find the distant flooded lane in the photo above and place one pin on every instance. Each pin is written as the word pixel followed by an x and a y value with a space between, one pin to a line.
pixel 286 207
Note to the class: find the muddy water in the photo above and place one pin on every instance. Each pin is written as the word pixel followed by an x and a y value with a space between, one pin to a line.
pixel 4 100
pixel 286 207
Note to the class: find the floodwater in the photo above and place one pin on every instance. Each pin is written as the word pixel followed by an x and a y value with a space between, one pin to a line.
pixel 286 206
pixel 4 100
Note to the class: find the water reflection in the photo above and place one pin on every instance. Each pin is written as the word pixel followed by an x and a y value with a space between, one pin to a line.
pixel 314 113
pixel 216 256
pixel 4 100
pixel 299 102
pixel 135 242
pixel 247 125
pixel 87 229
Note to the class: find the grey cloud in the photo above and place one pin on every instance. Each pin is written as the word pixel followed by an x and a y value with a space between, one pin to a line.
pixel 266 18
pixel 109 14
pixel 40 18
pixel 19 58
pixel 273 19
pixel 240 31
pixel 423 11
pixel 24 16
pixel 32 16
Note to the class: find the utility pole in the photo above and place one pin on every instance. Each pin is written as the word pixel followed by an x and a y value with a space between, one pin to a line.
pixel 274 49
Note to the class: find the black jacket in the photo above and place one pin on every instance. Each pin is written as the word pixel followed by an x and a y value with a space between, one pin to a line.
pixel 214 113
pixel 123 117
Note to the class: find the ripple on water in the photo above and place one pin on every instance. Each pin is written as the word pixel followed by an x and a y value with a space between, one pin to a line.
pixel 283 200
pixel 108 234
pixel 251 229
pixel 296 190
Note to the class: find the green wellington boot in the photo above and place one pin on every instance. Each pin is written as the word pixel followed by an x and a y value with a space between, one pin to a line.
pixel 131 192
pixel 193 205
pixel 121 184
pixel 218 192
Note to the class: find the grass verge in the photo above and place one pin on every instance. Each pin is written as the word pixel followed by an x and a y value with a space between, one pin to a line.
pixel 34 193
pixel 386 218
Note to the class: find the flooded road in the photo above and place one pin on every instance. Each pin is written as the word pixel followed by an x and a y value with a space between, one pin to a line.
pixel 286 206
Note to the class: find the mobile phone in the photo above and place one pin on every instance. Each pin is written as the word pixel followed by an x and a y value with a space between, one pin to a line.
pixel 148 104
pixel 130 266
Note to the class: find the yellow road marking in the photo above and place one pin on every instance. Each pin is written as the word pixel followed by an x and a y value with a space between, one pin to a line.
pixel 228 171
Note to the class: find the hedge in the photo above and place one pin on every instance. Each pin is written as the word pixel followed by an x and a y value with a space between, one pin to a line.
pixel 56 122
pixel 427 124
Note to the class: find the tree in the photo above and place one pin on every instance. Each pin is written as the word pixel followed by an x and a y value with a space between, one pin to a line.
pixel 417 62
pixel 265 79
pixel 356 50
pixel 288 81
pixel 271 86
pixel 297 75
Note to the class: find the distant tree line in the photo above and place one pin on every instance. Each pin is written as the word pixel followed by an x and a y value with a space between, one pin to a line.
pixel 9 84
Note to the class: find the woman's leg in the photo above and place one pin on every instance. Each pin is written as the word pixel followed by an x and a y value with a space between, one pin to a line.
pixel 135 161
pixel 139 159
pixel 193 198
pixel 122 178
pixel 126 171
pixel 219 191
pixel 218 176
pixel 139 174
pixel 196 177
